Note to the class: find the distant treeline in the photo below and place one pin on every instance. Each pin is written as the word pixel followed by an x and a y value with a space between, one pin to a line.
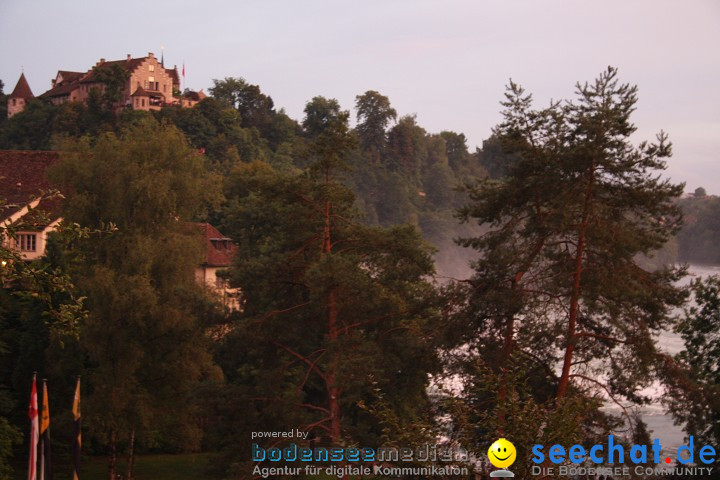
pixel 698 240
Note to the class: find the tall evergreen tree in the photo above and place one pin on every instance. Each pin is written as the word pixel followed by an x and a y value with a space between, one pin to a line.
pixel 336 313
pixel 557 282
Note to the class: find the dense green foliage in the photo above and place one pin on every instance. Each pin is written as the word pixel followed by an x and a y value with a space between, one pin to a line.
pixel 143 335
pixel 343 320
pixel 557 286
pixel 695 387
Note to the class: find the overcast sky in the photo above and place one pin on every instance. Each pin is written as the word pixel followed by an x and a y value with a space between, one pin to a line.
pixel 445 61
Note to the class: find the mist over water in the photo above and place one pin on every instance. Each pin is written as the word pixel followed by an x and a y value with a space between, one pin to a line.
pixel 659 422
pixel 453 262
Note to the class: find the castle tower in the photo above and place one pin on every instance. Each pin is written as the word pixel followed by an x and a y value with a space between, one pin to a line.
pixel 19 97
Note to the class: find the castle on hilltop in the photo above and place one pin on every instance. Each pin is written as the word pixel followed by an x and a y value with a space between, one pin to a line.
pixel 149 86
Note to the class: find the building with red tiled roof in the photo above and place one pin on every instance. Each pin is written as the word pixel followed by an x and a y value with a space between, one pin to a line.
pixel 19 96
pixel 149 85
pixel 220 252
pixel 32 210
pixel 26 201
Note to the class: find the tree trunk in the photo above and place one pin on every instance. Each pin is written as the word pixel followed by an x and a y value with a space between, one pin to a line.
pixel 333 390
pixel 131 456
pixel 575 296
pixel 509 340
pixel 502 392
pixel 113 456
pixel 331 378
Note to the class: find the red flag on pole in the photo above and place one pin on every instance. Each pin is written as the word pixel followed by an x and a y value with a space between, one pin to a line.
pixel 77 443
pixel 34 430
pixel 183 70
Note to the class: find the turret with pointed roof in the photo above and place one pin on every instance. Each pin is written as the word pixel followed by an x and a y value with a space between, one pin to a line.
pixel 19 97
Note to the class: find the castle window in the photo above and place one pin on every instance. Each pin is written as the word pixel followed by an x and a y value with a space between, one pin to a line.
pixel 151 68
pixel 143 102
pixel 14 102
pixel 26 242
pixel 146 84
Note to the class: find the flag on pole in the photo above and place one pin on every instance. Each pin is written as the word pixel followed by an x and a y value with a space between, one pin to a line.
pixel 45 457
pixel 183 72
pixel 33 414
pixel 77 443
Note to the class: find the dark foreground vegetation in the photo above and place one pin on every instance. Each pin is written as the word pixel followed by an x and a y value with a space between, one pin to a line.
pixel 395 286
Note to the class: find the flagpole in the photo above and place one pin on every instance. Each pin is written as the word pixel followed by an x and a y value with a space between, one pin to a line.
pixel 46 472
pixel 33 414
pixel 77 443
pixel 42 437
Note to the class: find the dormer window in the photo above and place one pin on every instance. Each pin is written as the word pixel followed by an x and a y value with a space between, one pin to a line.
pixel 26 242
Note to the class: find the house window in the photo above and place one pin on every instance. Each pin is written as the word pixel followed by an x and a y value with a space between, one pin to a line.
pixel 143 102
pixel 146 84
pixel 26 242
pixel 14 102
pixel 151 68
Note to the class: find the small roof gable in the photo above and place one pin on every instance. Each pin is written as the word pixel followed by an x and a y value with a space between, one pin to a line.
pixel 219 250
pixel 68 76
pixel 22 89
pixel 140 92
pixel 23 179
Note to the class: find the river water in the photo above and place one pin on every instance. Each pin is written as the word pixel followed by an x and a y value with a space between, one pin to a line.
pixel 659 422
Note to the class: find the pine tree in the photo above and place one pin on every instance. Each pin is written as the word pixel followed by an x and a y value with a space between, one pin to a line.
pixel 337 313
pixel 557 282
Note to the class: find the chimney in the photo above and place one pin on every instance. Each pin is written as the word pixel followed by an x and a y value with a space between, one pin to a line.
pixel 52 82
pixel 129 57
pixel 151 55
pixel 102 60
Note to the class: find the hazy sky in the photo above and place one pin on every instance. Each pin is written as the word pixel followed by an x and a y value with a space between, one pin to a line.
pixel 445 61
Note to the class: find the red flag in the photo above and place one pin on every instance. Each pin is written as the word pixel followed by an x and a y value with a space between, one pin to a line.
pixel 183 70
pixel 34 431
pixel 77 443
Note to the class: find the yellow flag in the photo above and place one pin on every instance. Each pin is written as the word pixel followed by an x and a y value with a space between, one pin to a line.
pixel 45 421
pixel 76 402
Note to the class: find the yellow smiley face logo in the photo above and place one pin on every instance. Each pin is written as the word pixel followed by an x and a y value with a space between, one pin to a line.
pixel 502 453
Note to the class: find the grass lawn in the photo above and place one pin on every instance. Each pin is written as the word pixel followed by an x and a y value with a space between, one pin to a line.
pixel 147 467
